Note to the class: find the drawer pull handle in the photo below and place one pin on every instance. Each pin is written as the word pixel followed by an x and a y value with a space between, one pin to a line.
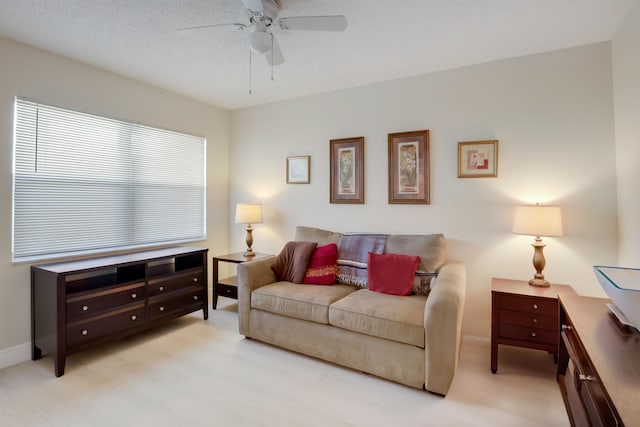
pixel 566 328
pixel 161 288
pixel 583 377
pixel 84 332
pixel 161 308
pixel 535 306
pixel 195 280
pixel 134 317
pixel 85 308
pixel 533 334
pixel 195 297
pixel 535 320
pixel 134 296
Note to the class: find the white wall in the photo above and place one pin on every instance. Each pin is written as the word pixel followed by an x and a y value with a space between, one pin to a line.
pixel 33 73
pixel 552 114
pixel 626 84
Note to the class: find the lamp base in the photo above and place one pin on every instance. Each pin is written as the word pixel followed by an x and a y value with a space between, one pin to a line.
pixel 541 283
pixel 249 253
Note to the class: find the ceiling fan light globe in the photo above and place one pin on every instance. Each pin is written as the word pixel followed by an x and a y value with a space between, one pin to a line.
pixel 261 42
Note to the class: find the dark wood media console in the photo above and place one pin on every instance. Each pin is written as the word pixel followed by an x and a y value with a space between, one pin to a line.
pixel 77 304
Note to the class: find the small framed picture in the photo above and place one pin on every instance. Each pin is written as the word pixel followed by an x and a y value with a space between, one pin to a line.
pixel 409 167
pixel 478 159
pixel 299 170
pixel 347 170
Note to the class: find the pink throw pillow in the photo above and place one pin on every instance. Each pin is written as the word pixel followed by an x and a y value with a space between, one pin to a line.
pixel 392 273
pixel 323 267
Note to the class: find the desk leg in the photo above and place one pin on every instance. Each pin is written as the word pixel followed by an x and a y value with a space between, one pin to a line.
pixel 494 333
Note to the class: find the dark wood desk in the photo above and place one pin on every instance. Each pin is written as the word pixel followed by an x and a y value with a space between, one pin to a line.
pixel 599 364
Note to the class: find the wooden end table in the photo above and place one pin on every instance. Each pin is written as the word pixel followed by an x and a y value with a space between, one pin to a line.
pixel 524 316
pixel 228 287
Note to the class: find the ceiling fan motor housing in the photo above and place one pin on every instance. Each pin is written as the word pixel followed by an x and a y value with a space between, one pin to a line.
pixel 262 10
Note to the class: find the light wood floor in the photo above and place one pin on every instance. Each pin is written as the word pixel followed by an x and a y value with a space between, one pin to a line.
pixel 197 372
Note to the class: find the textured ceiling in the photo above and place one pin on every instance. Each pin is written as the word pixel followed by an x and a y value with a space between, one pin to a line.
pixel 384 40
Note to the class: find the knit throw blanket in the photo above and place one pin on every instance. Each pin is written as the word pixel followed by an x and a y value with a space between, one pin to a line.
pixel 353 254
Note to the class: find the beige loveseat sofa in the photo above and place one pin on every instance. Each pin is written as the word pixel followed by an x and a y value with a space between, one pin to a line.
pixel 413 340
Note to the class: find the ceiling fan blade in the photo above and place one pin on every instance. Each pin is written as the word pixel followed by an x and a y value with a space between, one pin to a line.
pixel 314 23
pixel 254 7
pixel 274 57
pixel 237 26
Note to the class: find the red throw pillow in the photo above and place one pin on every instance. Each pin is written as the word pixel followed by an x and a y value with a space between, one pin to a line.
pixel 392 273
pixel 323 267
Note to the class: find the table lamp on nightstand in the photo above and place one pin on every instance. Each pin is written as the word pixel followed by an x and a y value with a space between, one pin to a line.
pixel 249 213
pixel 538 221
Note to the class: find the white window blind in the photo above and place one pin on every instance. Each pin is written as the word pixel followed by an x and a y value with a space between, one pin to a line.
pixel 86 184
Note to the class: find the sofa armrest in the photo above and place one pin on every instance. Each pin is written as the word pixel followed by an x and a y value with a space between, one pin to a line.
pixel 442 325
pixel 251 275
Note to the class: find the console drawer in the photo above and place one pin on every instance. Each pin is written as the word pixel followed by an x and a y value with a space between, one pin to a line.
pixel 93 303
pixel 176 281
pixel 160 307
pixel 106 324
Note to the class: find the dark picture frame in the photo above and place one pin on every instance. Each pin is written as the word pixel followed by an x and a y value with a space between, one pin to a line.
pixel 347 170
pixel 409 167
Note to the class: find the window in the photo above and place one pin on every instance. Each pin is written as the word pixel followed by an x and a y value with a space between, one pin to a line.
pixel 86 184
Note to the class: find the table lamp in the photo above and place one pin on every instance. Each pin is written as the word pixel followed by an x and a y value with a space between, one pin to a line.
pixel 249 213
pixel 538 221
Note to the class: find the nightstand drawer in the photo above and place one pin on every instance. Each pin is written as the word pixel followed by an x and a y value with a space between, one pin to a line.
pixel 533 320
pixel 528 304
pixel 532 335
pixel 228 291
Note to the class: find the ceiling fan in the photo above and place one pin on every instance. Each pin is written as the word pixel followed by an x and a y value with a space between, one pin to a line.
pixel 262 16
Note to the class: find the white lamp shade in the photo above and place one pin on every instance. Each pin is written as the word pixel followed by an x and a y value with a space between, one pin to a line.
pixel 248 213
pixel 538 221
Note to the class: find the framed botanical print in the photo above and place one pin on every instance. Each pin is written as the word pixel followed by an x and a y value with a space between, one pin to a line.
pixel 298 170
pixel 409 167
pixel 347 170
pixel 478 159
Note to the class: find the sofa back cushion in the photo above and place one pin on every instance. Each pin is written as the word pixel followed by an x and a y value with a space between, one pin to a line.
pixel 291 263
pixel 431 250
pixel 321 237
pixel 353 252
pixel 392 273
pixel 429 247
pixel 323 267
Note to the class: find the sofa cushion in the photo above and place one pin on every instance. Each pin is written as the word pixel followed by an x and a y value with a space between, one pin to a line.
pixel 353 254
pixel 431 250
pixel 321 237
pixel 291 263
pixel 429 247
pixel 305 302
pixel 323 267
pixel 380 315
pixel 392 273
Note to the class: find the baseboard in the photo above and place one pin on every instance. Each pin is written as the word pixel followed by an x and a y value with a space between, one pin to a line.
pixel 14 355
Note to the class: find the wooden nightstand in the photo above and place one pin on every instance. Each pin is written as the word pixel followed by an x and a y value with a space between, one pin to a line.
pixel 228 287
pixel 524 316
